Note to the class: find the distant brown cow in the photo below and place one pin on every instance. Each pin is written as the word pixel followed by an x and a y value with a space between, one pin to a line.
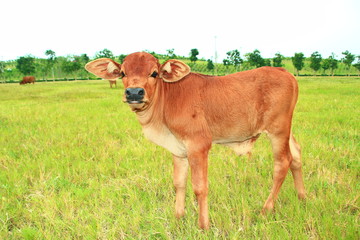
pixel 28 79
pixel 187 112
pixel 112 82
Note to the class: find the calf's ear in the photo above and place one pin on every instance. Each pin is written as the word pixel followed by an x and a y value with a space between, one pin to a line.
pixel 104 68
pixel 174 70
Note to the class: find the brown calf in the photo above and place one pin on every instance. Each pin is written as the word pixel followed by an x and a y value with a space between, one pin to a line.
pixel 186 112
pixel 28 79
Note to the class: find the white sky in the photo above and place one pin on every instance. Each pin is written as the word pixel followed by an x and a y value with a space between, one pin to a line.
pixel 83 26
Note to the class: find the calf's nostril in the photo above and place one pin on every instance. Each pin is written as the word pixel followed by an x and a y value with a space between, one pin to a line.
pixel 141 92
pixel 127 92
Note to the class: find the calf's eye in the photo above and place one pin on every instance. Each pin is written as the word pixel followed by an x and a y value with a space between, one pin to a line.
pixel 154 74
pixel 122 74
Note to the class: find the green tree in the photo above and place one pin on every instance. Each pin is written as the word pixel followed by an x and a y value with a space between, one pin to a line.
pixel 9 73
pixel 333 63
pixel 71 65
pixel 234 58
pixel 51 60
pixel 210 65
pixel 26 65
pixel 226 63
pixel 193 55
pixel 348 60
pixel 277 60
pixel 267 62
pixel 315 61
pixel 121 58
pixel 255 59
pixel 42 68
pixel 84 58
pixel 325 65
pixel 357 65
pixel 51 55
pixel 330 63
pixel 170 54
pixel 2 69
pixel 106 53
pixel 298 62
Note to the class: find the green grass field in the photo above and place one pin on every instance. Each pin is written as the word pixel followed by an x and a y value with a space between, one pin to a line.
pixel 74 165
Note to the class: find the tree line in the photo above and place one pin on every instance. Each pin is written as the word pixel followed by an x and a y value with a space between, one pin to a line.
pixel 57 67
pixel 254 59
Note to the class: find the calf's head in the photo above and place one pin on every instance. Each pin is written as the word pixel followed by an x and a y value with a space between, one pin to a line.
pixel 140 73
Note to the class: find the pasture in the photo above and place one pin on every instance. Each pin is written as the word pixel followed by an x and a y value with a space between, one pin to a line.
pixel 75 165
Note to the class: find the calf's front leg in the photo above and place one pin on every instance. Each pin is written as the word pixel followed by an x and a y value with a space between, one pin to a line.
pixel 181 166
pixel 198 160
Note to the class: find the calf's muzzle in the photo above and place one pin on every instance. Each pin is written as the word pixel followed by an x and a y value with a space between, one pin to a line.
pixel 134 95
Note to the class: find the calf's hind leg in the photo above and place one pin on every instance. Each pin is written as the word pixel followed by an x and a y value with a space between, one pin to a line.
pixel 295 167
pixel 282 161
